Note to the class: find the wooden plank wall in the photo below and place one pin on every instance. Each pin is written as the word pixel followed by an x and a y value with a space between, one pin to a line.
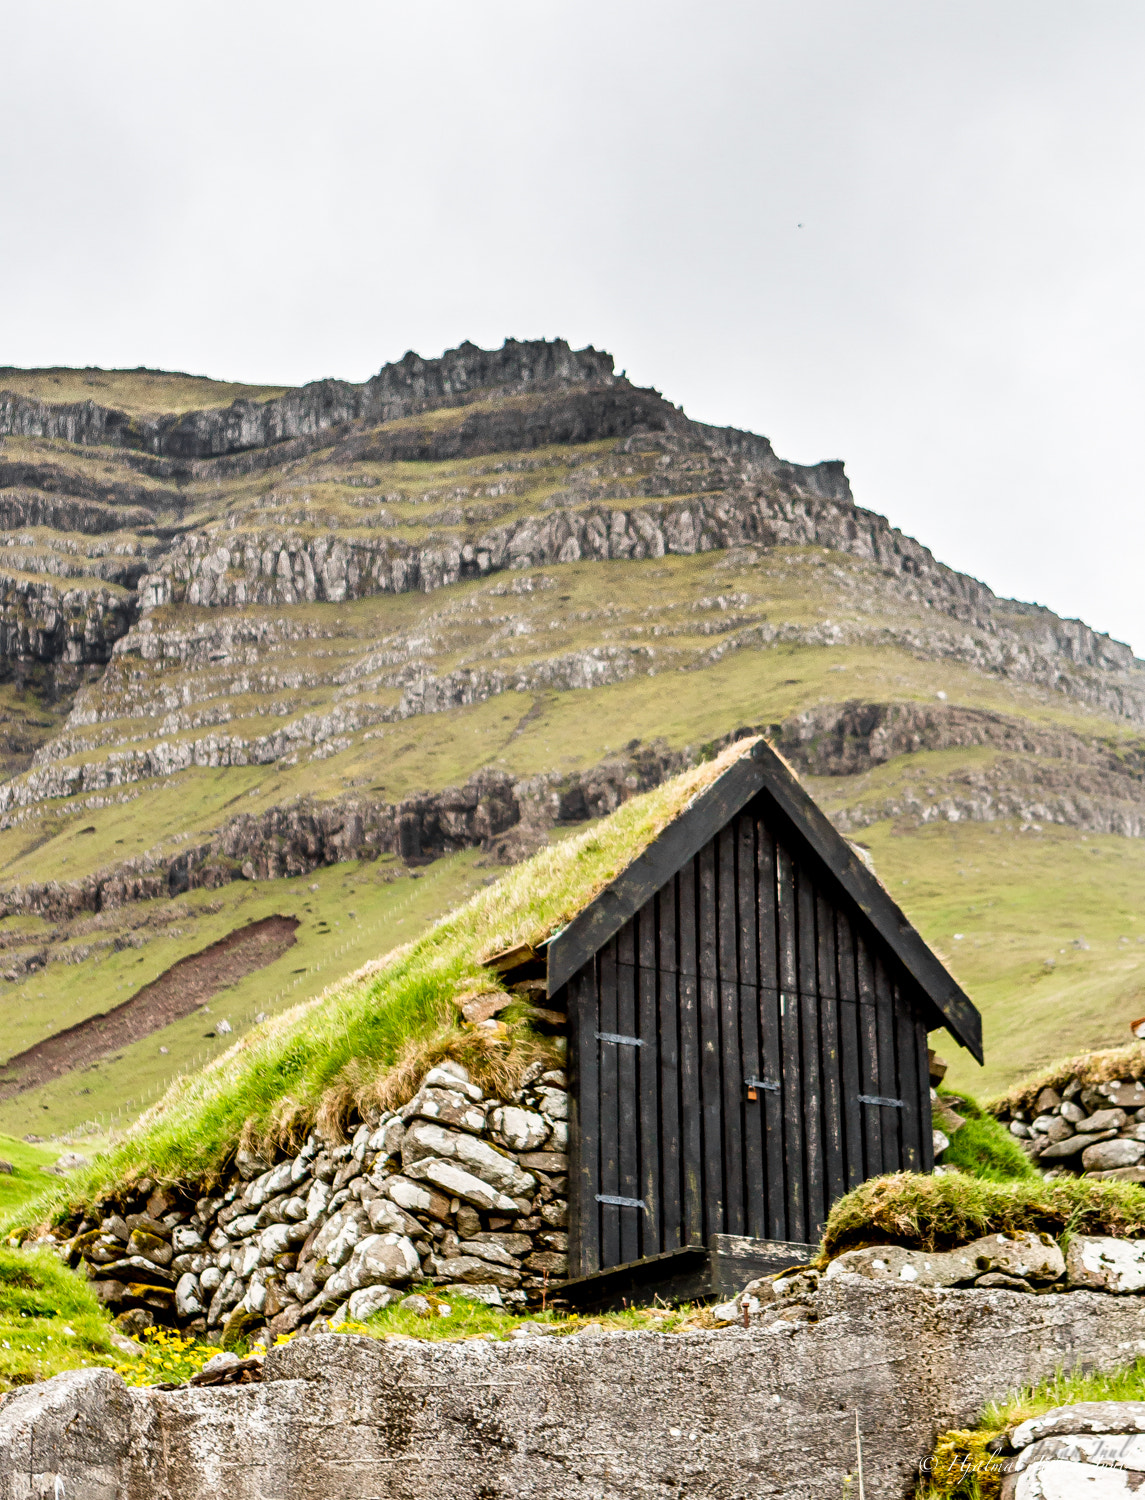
pixel 743 966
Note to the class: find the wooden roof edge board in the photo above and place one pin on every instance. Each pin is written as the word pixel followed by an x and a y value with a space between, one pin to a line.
pixel 959 1014
pixel 511 958
pixel 684 837
pixel 762 770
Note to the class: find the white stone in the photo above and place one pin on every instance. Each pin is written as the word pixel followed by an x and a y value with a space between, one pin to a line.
pixel 519 1129
pixel 336 1240
pixel 1082 1417
pixel 1030 1256
pixel 380 1259
pixel 188 1302
pixel 1118 1450
pixel 368 1300
pixel 455 1182
pixel 486 1293
pixel 210 1279
pixel 184 1239
pixel 554 1103
pixel 451 1075
pixel 316 1200
pixel 1106 1264
pixel 423 1139
pixel 278 1239
pixel 1066 1481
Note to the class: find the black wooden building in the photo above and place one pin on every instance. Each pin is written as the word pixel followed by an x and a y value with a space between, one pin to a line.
pixel 748 1013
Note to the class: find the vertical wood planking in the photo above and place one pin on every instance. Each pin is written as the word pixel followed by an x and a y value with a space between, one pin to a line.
pixel 793 1124
pixel 834 1154
pixel 905 1050
pixel 755 1177
pixel 671 1119
pixel 648 1063
pixel 869 1060
pixel 584 1016
pixel 609 1115
pixel 691 1136
pixel 731 1050
pixel 922 1067
pixel 711 1083
pixel 771 1040
pixel 889 1082
pixel 850 1051
pixel 810 1062
pixel 627 1144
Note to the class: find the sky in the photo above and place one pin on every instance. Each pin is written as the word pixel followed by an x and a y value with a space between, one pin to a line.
pixel 904 233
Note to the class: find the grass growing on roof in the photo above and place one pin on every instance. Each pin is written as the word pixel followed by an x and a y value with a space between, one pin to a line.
pixel 962 1467
pixel 939 1213
pixel 368 1039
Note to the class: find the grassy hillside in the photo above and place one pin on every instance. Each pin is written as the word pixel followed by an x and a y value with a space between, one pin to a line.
pixel 536 582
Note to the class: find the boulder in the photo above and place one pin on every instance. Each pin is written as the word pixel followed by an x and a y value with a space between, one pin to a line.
pixel 1059 1149
pixel 450 1108
pixel 368 1300
pixel 519 1129
pixel 415 1197
pixel 1068 1481
pixel 423 1140
pixel 380 1260
pixel 1107 1119
pixel 471 1271
pixel 1118 1450
pixel 1081 1417
pixel 1108 1155
pixel 1105 1264
pixel 458 1183
pixel 336 1239
pixel 1032 1257
pixel 188 1300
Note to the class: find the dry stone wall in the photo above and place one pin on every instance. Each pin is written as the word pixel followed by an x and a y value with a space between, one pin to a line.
pixel 455 1188
pixel 1087 1129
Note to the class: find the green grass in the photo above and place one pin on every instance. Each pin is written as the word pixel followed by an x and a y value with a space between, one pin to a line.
pixel 50 1320
pixel 985 1149
pixel 356 911
pixel 369 1039
pixel 1020 901
pixel 133 391
pixel 962 1467
pixel 27 1180
pixel 941 1212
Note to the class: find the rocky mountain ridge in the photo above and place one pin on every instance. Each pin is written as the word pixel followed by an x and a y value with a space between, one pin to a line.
pixel 423 614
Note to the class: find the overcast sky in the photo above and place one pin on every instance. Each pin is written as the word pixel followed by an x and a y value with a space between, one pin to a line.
pixel 904 233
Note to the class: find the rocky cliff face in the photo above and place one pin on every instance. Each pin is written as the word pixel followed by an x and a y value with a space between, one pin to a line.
pixel 422 614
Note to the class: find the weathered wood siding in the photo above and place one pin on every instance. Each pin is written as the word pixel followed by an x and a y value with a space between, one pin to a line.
pixel 748 964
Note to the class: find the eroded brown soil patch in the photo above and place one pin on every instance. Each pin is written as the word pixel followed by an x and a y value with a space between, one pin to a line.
pixel 177 992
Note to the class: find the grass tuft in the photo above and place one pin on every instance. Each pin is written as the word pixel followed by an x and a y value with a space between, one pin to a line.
pixel 985 1149
pixel 962 1467
pixel 940 1213
pixel 50 1320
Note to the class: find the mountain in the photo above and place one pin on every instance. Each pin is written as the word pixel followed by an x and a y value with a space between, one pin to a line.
pixel 286 673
